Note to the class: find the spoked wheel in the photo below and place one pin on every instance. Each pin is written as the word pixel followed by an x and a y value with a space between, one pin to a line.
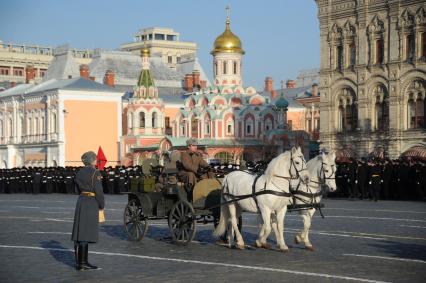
pixel 135 223
pixel 182 222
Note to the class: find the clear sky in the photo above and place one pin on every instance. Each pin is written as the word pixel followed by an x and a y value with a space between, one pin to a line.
pixel 280 37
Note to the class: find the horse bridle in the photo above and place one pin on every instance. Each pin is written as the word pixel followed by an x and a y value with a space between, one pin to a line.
pixel 291 177
pixel 324 177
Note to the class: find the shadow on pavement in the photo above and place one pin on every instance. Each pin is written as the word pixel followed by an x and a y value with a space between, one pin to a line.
pixel 402 250
pixel 66 257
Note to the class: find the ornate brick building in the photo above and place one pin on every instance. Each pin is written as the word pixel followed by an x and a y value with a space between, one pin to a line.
pixel 372 75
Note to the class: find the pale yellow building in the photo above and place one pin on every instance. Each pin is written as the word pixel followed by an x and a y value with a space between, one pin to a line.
pixel 14 58
pixel 162 42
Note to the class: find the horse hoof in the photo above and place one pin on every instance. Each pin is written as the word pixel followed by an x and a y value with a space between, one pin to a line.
pixel 258 244
pixel 297 239
pixel 285 250
pixel 310 248
pixel 240 247
pixel 267 246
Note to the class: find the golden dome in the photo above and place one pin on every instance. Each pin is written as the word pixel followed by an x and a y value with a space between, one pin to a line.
pixel 144 52
pixel 227 42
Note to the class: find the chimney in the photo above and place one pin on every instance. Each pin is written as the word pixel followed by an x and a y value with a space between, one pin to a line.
pixel 109 78
pixel 269 87
pixel 290 84
pixel 268 84
pixel 196 78
pixel 188 82
pixel 84 71
pixel 29 74
pixel 12 84
pixel 314 90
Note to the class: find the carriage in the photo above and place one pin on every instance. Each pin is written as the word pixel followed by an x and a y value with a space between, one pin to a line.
pixel 171 202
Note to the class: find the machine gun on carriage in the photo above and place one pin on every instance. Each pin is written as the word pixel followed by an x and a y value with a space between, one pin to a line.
pixel 206 204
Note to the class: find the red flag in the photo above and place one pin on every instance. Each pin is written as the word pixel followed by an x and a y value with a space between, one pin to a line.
pixel 101 159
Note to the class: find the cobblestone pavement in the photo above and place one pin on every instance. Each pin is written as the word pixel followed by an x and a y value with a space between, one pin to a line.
pixel 359 241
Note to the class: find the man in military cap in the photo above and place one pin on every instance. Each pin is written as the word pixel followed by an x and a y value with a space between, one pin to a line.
pixel 192 160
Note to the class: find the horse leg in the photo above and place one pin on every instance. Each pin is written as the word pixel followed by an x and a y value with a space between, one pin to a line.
pixel 266 227
pixel 280 236
pixel 299 238
pixel 307 225
pixel 234 228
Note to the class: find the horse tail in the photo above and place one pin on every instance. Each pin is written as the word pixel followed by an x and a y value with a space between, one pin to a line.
pixel 224 213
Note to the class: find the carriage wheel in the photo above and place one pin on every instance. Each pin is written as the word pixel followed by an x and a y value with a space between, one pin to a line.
pixel 135 223
pixel 182 222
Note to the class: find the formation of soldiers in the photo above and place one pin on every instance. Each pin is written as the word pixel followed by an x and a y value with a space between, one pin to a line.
pixel 401 179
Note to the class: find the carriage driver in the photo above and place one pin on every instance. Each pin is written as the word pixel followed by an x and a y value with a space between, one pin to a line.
pixel 191 160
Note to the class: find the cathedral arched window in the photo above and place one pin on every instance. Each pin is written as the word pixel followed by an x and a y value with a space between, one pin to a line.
pixel 224 67
pixel 347 111
pixel 376 44
pixel 416 105
pixel 381 108
pixel 154 120
pixel 410 47
pixel 142 120
pixel 339 53
pixel 424 45
pixel 379 52
pixel 215 68
pixel 235 67
pixel 352 54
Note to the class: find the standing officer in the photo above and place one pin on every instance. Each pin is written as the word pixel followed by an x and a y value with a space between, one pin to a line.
pixel 191 160
pixel 361 177
pixel 375 179
pixel 86 219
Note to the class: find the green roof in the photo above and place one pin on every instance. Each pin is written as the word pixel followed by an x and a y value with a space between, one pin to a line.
pixel 145 79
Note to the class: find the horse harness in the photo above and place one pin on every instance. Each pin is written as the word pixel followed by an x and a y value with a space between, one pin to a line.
pixel 264 191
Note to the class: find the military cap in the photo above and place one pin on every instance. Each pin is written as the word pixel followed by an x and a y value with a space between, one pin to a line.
pixel 88 157
pixel 191 141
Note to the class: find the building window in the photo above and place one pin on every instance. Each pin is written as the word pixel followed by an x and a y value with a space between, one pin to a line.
pixel 142 120
pixel 1 128
pixel 18 72
pixel 159 36
pixel 171 37
pixel 416 110
pixel 379 52
pixel 178 59
pixel 230 128
pixel 352 55
pixel 215 68
pixel 169 59
pixel 381 110
pixel 169 130
pixel 207 127
pixel 42 72
pixel 410 47
pixel 182 129
pixel 424 45
pixel 4 71
pixel 10 127
pixel 235 67
pixel 42 126
pixel 224 68
pixel 339 57
pixel 154 120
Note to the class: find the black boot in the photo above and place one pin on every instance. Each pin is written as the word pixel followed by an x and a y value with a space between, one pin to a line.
pixel 78 256
pixel 85 263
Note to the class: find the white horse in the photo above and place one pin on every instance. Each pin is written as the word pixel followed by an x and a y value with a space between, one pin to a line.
pixel 285 171
pixel 322 171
